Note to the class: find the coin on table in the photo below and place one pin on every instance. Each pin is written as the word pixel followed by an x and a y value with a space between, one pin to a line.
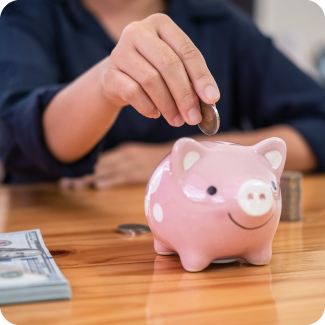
pixel 133 229
pixel 225 260
pixel 210 119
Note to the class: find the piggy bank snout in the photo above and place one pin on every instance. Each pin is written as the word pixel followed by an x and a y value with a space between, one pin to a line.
pixel 255 198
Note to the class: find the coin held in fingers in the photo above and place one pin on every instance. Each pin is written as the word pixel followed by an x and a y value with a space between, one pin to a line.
pixel 210 119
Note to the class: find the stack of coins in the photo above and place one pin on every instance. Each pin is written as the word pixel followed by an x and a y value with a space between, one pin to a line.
pixel 291 196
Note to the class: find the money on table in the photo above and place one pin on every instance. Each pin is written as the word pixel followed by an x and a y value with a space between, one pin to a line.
pixel 27 270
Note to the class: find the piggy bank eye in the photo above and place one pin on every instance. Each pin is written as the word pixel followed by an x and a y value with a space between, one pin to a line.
pixel 212 190
pixel 274 186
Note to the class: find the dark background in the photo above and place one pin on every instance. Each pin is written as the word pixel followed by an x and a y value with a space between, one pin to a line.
pixel 247 5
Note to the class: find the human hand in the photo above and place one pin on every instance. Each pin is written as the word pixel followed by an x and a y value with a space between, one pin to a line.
pixel 130 163
pixel 156 68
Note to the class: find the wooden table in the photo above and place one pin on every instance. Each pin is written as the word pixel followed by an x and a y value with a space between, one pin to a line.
pixel 118 279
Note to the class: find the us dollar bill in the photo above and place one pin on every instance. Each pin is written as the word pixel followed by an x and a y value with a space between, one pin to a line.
pixel 28 272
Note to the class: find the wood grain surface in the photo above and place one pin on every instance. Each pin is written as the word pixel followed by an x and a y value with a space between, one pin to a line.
pixel 117 279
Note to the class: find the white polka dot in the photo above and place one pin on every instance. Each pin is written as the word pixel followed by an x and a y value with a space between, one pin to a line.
pixel 158 212
pixel 146 204
pixel 155 180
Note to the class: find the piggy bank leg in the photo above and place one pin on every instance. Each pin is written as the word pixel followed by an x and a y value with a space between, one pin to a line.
pixel 162 249
pixel 261 256
pixel 194 261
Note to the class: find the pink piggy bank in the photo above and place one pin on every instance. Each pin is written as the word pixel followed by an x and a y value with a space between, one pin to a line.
pixel 216 201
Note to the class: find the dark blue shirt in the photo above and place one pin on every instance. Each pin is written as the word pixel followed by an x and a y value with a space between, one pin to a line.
pixel 45 44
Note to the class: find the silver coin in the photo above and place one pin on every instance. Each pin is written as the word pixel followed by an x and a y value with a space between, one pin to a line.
pixel 287 182
pixel 294 181
pixel 291 216
pixel 287 213
pixel 291 174
pixel 133 229
pixel 290 189
pixel 290 186
pixel 291 204
pixel 291 178
pixel 225 260
pixel 292 193
pixel 292 211
pixel 210 119
pixel 291 198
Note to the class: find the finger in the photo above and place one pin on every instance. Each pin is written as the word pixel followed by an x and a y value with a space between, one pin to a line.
pixel 108 170
pixel 65 183
pixel 113 157
pixel 115 162
pixel 111 181
pixel 75 183
pixel 81 183
pixel 171 68
pixel 140 70
pixel 195 65
pixel 131 92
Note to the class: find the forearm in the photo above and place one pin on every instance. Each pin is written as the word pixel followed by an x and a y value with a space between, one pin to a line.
pixel 299 157
pixel 135 162
pixel 78 116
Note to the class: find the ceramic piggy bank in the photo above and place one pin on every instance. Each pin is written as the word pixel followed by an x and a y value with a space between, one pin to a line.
pixel 210 201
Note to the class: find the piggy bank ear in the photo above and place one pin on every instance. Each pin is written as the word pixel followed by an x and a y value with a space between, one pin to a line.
pixel 186 152
pixel 275 152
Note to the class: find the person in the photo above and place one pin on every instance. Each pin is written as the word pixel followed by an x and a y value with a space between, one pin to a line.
pixel 83 85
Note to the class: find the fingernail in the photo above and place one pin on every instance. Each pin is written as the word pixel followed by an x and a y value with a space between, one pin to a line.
pixel 101 185
pixel 157 115
pixel 79 184
pixel 212 94
pixel 97 185
pixel 65 183
pixel 194 116
pixel 178 120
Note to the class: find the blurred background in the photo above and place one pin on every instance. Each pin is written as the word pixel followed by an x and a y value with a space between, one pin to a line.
pixel 297 28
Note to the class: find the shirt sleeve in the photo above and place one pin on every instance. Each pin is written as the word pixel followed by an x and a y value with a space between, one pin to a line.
pixel 272 90
pixel 30 76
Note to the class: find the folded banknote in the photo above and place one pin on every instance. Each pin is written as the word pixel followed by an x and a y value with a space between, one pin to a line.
pixel 27 270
